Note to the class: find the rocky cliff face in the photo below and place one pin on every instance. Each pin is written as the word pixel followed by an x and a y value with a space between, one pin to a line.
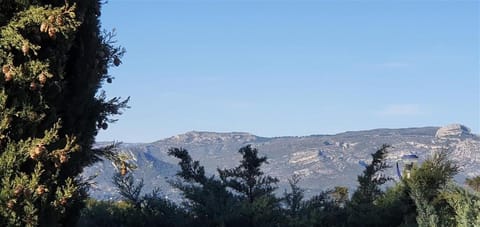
pixel 323 161
pixel 453 131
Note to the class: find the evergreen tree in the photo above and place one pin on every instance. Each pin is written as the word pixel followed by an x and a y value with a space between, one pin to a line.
pixel 259 204
pixel 424 187
pixel 128 189
pixel 208 199
pixel 53 60
pixel 133 209
pixel 248 179
pixel 372 178
pixel 293 200
pixel 396 208
pixel 362 211
pixel 325 209
pixel 465 204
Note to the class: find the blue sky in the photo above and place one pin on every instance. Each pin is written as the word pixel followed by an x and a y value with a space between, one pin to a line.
pixel 276 68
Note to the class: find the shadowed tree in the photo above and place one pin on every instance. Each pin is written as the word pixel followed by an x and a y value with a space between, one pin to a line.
pixel 293 200
pixel 207 197
pixel 248 179
pixel 128 189
pixel 259 204
pixel 53 60
pixel 361 209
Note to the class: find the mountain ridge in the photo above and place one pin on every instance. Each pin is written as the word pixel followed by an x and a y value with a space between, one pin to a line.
pixel 287 136
pixel 321 160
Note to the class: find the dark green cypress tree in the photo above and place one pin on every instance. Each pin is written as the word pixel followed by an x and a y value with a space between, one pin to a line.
pixel 54 60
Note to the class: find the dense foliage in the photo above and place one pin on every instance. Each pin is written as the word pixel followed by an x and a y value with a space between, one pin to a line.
pixel 53 60
pixel 244 196
pixel 362 210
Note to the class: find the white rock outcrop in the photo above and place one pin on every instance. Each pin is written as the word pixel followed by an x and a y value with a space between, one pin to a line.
pixel 453 130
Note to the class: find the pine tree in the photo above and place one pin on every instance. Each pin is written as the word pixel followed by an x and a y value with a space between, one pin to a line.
pixel 247 178
pixel 128 188
pixel 208 199
pixel 362 210
pixel 53 60
pixel 372 178
pixel 293 200
pixel 259 205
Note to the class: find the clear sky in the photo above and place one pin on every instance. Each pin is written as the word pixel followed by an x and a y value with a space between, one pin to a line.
pixel 293 67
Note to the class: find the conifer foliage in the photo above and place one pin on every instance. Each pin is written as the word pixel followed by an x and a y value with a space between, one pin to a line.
pixel 247 178
pixel 53 60
pixel 362 211
pixel 243 196
pixel 207 197
pixel 428 198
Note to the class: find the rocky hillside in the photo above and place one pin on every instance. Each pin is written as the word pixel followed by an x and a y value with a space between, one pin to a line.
pixel 323 161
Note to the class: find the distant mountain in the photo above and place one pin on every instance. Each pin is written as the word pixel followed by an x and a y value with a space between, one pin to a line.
pixel 323 161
